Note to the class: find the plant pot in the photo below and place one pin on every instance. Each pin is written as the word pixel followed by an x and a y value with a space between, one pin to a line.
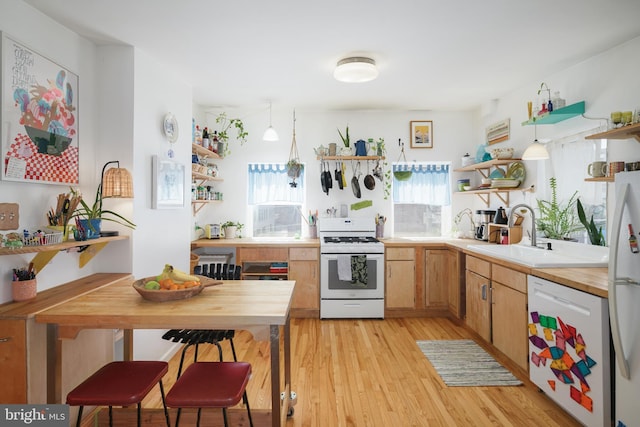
pixel 293 171
pixel 230 232
pixel 24 290
pixel 91 227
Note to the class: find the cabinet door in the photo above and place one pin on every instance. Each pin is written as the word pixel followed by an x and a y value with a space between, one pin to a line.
pixel 306 294
pixel 436 278
pixel 509 323
pixel 400 285
pixel 478 314
pixel 13 361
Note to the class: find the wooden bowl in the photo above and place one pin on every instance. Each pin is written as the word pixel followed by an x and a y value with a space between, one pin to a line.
pixel 178 294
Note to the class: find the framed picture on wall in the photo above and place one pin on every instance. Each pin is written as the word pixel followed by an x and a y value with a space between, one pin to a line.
pixel 421 134
pixel 167 190
pixel 39 117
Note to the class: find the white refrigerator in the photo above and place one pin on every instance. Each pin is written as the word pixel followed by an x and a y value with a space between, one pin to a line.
pixel 624 298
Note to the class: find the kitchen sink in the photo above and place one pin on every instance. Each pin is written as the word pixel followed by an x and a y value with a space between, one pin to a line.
pixel 563 254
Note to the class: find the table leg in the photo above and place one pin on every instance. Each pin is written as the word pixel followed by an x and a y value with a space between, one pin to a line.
pixel 275 375
pixel 127 344
pixel 54 365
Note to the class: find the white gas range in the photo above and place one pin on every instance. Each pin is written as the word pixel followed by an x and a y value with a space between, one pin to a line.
pixel 351 269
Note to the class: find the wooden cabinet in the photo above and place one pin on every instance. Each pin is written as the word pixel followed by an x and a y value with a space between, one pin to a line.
pixel 455 283
pixel 304 267
pixel 509 313
pixel 437 274
pixel 478 302
pixel 23 352
pixel 400 283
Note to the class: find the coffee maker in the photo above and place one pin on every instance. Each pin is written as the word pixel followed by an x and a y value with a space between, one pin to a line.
pixel 484 217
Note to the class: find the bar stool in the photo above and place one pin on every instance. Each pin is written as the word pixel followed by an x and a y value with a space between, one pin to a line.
pixel 196 337
pixel 211 385
pixel 120 384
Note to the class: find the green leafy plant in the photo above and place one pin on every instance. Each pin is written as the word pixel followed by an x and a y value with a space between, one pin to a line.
pixel 556 220
pixel 596 237
pixel 95 210
pixel 381 150
pixel 345 138
pixel 237 225
pixel 225 126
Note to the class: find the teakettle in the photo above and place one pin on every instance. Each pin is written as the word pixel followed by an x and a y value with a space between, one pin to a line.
pixel 501 216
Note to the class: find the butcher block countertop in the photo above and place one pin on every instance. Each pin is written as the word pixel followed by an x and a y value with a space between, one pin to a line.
pixel 592 280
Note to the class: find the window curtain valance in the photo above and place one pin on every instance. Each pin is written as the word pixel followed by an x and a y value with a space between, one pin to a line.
pixel 429 183
pixel 269 183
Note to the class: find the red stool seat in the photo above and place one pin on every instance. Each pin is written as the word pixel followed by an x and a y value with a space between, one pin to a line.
pixel 211 385
pixel 118 384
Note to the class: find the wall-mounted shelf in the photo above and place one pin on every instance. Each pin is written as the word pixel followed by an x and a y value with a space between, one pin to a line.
pixel 45 253
pixel 500 193
pixel 204 152
pixel 484 168
pixel 202 178
pixel 601 179
pixel 350 157
pixel 199 204
pixel 624 132
pixel 558 115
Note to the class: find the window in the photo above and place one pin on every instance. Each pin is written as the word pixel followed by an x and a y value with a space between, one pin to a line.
pixel 275 205
pixel 422 203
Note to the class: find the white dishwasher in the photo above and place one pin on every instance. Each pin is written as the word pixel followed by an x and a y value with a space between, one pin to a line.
pixel 569 351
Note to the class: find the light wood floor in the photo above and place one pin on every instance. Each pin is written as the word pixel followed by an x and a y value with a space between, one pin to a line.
pixel 371 373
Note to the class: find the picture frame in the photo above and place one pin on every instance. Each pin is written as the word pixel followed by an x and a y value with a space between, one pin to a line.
pixel 40 117
pixel 498 132
pixel 421 133
pixel 168 188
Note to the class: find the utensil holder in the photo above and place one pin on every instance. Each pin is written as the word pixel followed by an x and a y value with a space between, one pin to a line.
pixel 313 231
pixel 379 231
pixel 24 290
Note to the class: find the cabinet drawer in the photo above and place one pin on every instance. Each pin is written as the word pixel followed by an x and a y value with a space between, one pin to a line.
pixel 400 253
pixel 262 254
pixel 303 254
pixel 510 278
pixel 479 266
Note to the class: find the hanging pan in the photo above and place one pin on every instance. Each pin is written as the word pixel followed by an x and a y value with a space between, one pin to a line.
pixel 369 180
pixel 338 174
pixel 355 185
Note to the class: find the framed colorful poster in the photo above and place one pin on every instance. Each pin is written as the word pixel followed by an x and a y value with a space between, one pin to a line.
pixel 39 117
pixel 421 135
pixel 167 190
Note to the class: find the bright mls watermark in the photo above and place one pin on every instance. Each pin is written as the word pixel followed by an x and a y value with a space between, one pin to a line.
pixel 34 415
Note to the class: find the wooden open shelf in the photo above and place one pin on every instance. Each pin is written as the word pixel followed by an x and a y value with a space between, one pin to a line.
pixel 624 132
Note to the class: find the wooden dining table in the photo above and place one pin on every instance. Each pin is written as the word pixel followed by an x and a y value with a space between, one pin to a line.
pixel 252 305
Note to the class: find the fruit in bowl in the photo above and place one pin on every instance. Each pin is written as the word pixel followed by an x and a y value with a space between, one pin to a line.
pixel 501 153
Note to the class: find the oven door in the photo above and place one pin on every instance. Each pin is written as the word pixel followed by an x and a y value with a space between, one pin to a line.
pixel 331 287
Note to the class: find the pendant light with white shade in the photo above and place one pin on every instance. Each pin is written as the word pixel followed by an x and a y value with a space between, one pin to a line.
pixel 536 151
pixel 270 135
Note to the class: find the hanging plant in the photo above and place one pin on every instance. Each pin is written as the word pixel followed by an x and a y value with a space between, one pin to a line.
pixel 402 175
pixel 225 126
pixel 294 167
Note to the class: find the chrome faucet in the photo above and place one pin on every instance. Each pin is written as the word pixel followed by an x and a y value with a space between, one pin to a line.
pixel 533 221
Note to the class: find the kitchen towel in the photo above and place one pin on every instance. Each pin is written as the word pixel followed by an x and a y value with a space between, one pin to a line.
pixel 344 267
pixel 359 270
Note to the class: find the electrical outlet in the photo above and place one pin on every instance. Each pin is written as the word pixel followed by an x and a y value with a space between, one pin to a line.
pixel 9 216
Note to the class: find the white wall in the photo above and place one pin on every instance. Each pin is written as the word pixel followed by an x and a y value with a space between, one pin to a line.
pixel 453 135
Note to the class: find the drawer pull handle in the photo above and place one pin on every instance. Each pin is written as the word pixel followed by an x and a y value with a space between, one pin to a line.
pixel 5 339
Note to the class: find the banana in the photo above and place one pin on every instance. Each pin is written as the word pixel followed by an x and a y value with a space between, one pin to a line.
pixel 179 275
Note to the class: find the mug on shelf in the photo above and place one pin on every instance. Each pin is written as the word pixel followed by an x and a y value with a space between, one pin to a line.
pixel 597 169
pixel 632 166
pixel 614 167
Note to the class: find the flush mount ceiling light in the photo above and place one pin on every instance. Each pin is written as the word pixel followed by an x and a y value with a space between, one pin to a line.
pixel 356 69
pixel 270 134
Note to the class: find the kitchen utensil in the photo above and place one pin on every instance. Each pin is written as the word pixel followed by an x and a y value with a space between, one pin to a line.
pixel 501 216
pixel 338 175
pixel 355 185
pixel 328 176
pixel 344 174
pixel 178 294
pixel 377 171
pixel 323 179
pixel 369 180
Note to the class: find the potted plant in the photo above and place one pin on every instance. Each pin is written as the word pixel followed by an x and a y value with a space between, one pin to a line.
pixel 225 126
pixel 556 220
pixel 596 237
pixel 346 141
pixel 232 229
pixel 91 216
